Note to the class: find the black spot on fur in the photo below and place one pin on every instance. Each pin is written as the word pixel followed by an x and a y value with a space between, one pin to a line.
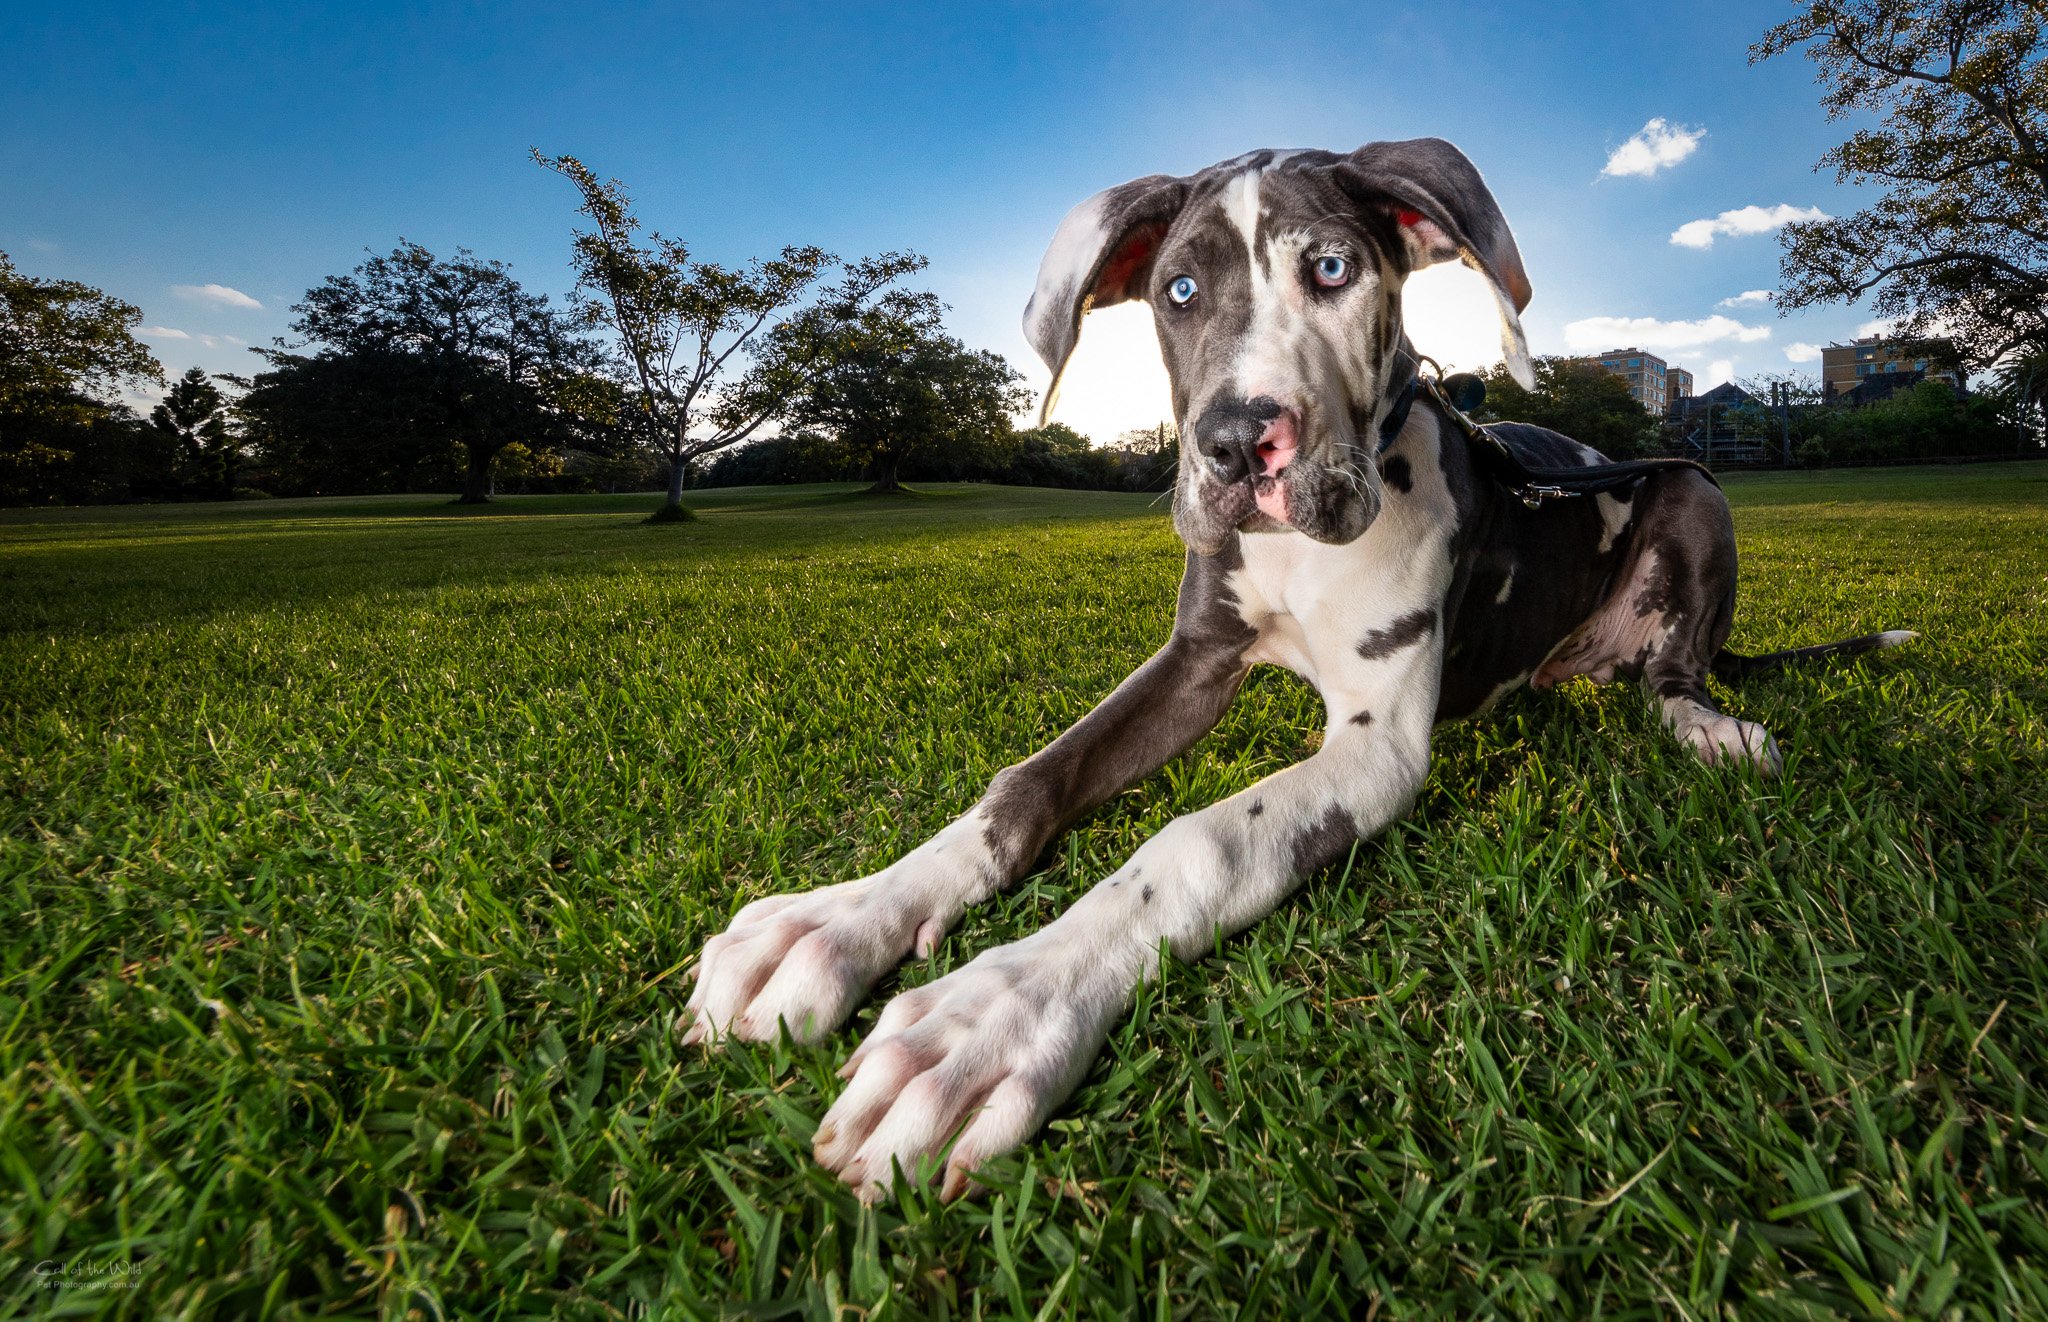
pixel 1325 841
pixel 1398 475
pixel 1363 718
pixel 1407 631
pixel 1146 895
pixel 1256 808
pixel 1680 686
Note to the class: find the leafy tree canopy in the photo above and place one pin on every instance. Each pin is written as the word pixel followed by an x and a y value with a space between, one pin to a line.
pixel 1956 245
pixel 60 338
pixel 1576 398
pixel 192 423
pixel 65 350
pixel 486 359
pixel 892 382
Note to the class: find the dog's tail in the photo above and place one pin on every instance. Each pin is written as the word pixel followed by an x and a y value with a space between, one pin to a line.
pixel 1732 666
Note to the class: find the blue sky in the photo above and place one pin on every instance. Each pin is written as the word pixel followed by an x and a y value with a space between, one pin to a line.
pixel 158 150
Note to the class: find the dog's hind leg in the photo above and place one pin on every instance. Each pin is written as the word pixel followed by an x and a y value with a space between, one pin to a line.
pixel 1683 581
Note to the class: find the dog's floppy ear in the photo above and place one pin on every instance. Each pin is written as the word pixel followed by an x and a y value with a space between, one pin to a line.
pixel 1444 210
pixel 1101 254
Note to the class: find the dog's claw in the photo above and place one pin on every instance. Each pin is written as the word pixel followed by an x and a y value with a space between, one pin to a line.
pixel 974 1060
pixel 800 960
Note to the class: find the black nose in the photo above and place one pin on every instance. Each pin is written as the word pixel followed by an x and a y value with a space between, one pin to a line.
pixel 1228 433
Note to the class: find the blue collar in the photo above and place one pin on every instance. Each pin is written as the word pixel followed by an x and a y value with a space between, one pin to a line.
pixel 1397 417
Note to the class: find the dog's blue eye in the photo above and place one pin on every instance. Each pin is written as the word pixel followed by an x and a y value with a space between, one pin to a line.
pixel 1182 289
pixel 1332 271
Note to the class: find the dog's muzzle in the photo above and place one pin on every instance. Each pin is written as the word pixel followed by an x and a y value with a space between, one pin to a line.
pixel 1250 442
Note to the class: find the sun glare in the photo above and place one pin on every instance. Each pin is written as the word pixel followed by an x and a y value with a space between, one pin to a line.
pixel 1116 381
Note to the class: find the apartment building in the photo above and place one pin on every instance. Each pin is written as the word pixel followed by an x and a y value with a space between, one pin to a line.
pixel 1648 376
pixel 1843 367
pixel 1677 388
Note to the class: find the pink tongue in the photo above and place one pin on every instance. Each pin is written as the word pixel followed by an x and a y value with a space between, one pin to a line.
pixel 1273 500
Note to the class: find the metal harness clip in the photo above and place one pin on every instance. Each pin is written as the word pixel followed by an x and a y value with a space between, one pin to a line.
pixel 1536 493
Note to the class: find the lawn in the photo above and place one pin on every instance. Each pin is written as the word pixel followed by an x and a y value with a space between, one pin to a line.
pixel 356 852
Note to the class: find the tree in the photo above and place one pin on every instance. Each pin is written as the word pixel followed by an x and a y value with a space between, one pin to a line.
pixel 343 423
pixel 895 384
pixel 691 332
pixel 1957 245
pixel 488 356
pixel 193 422
pixel 2023 376
pixel 1923 421
pixel 1148 458
pixel 60 337
pixel 1578 399
pixel 63 347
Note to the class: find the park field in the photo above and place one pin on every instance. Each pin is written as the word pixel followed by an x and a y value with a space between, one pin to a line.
pixel 355 853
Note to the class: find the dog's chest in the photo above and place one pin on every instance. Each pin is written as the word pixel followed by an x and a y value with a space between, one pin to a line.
pixel 1312 604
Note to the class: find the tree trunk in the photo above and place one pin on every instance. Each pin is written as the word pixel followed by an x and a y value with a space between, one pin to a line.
pixel 886 467
pixel 678 477
pixel 476 487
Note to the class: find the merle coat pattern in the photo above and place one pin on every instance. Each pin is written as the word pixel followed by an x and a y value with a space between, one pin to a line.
pixel 1408 587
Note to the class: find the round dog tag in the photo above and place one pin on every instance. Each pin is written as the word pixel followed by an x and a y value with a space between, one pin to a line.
pixel 1465 391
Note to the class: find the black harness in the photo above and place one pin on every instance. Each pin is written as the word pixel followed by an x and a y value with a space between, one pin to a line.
pixel 1531 485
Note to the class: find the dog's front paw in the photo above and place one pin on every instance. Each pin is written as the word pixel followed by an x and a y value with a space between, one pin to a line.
pixel 995 1045
pixel 804 959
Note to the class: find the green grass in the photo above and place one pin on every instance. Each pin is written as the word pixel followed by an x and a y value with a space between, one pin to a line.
pixel 355 851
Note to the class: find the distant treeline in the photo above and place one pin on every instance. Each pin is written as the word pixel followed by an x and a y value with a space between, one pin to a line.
pixel 1929 420
pixel 1051 456
pixel 417 373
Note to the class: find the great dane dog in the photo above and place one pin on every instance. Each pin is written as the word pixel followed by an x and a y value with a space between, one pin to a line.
pixel 1331 528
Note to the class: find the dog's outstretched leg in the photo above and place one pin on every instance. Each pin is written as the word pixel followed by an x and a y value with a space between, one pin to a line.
pixel 989 1050
pixel 806 959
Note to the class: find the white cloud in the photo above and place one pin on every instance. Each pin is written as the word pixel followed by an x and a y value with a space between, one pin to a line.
pixel 1718 371
pixel 197 337
pixel 1657 146
pixel 222 294
pixel 1881 327
pixel 1747 298
pixel 1742 220
pixel 1596 334
pixel 1803 353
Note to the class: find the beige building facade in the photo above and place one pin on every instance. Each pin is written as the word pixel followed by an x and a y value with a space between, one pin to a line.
pixel 1843 367
pixel 1653 382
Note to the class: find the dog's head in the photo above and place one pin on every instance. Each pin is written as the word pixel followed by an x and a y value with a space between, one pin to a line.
pixel 1275 281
